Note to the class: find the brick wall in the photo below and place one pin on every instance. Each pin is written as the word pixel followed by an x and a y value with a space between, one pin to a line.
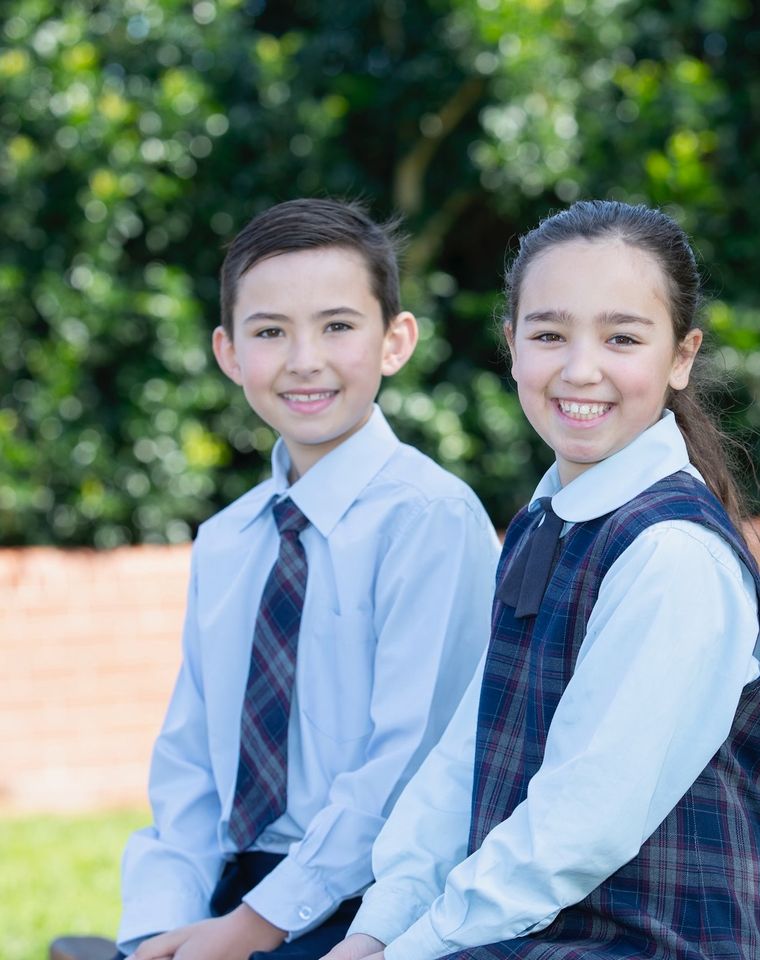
pixel 89 647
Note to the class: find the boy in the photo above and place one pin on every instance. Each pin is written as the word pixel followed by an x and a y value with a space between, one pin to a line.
pixel 273 774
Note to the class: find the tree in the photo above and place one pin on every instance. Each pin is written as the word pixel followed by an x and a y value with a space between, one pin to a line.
pixel 140 135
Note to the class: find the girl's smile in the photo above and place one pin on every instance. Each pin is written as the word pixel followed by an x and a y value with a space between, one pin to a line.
pixel 582 411
pixel 593 351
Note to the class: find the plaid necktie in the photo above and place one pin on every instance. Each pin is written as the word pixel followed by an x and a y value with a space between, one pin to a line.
pixel 260 792
pixel 527 577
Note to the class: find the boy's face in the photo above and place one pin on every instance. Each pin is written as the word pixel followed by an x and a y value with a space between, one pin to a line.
pixel 309 347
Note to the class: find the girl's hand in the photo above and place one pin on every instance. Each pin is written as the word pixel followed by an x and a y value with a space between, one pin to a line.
pixel 359 946
pixel 232 937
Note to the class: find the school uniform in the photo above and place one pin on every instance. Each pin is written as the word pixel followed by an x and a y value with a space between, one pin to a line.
pixel 596 793
pixel 401 560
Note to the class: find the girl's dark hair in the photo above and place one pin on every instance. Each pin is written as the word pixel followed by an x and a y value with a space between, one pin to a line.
pixel 306 224
pixel 661 237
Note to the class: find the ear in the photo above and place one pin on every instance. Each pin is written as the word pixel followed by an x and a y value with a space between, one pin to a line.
pixel 509 336
pixel 226 357
pixel 686 353
pixel 399 342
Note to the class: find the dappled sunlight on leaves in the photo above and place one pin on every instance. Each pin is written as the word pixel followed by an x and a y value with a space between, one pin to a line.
pixel 136 137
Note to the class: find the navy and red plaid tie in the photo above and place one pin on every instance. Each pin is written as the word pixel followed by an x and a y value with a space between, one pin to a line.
pixel 261 789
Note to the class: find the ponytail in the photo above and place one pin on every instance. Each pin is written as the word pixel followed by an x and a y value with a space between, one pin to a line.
pixel 710 450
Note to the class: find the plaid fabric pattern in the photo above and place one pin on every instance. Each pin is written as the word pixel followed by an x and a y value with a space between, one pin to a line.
pixel 260 791
pixel 693 891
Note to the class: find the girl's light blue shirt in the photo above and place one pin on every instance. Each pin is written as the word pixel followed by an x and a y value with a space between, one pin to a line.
pixel 668 649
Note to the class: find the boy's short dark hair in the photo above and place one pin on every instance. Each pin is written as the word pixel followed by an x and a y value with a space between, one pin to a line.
pixel 306 224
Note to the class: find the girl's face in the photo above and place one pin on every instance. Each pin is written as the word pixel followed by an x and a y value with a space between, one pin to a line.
pixel 593 350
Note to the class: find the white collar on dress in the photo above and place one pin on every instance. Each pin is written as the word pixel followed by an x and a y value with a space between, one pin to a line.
pixel 654 454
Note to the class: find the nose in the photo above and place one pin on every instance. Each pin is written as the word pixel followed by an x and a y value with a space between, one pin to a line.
pixel 581 366
pixel 305 356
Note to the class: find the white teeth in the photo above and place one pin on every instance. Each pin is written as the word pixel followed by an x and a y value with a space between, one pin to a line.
pixel 308 397
pixel 583 411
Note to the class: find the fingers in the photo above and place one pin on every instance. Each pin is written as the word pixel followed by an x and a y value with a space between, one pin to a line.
pixel 162 947
pixel 165 956
pixel 358 946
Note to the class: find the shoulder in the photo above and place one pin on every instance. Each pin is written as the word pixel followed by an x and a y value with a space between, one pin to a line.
pixel 676 526
pixel 414 483
pixel 679 528
pixel 676 566
pixel 686 548
pixel 679 496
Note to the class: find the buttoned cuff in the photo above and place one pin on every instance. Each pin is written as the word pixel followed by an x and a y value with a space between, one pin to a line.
pixel 419 941
pixel 292 898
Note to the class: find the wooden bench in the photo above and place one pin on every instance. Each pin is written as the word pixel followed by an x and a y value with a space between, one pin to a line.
pixel 82 948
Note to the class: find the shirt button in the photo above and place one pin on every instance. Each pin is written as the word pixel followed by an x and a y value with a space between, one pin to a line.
pixel 304 912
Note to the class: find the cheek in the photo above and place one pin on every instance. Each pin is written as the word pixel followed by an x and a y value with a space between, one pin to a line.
pixel 257 367
pixel 652 379
pixel 531 370
pixel 361 360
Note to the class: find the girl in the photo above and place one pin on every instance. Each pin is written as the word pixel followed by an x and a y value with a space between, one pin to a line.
pixel 597 793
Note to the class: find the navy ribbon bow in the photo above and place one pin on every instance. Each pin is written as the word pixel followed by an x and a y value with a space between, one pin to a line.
pixel 528 574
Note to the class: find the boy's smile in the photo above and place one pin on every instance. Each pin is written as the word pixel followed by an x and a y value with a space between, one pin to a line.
pixel 309 347
pixel 593 351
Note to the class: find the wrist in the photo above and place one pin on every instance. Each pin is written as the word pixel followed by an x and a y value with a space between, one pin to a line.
pixel 255 930
pixel 366 944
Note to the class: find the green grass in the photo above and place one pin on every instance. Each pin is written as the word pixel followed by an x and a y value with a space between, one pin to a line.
pixel 60 875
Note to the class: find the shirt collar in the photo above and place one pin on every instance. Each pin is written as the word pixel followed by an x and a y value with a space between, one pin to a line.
pixel 327 489
pixel 653 455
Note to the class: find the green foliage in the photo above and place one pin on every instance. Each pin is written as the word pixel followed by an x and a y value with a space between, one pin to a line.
pixel 137 136
pixel 60 876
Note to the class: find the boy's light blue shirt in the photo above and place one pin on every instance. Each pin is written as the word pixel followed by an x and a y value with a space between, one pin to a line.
pixel 401 565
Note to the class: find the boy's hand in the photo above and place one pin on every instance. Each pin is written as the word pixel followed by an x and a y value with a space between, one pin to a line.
pixel 359 946
pixel 234 936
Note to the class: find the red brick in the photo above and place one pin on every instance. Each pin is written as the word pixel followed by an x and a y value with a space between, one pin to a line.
pixel 90 644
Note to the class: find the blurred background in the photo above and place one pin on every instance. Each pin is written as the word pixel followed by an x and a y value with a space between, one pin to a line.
pixel 138 136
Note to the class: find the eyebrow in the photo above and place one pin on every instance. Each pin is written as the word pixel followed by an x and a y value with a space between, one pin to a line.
pixel 615 318
pixel 607 319
pixel 266 316
pixel 548 316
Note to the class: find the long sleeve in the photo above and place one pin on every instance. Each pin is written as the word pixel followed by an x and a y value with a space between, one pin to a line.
pixel 401 562
pixel 170 868
pixel 668 649
pixel 426 835
pixel 432 597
